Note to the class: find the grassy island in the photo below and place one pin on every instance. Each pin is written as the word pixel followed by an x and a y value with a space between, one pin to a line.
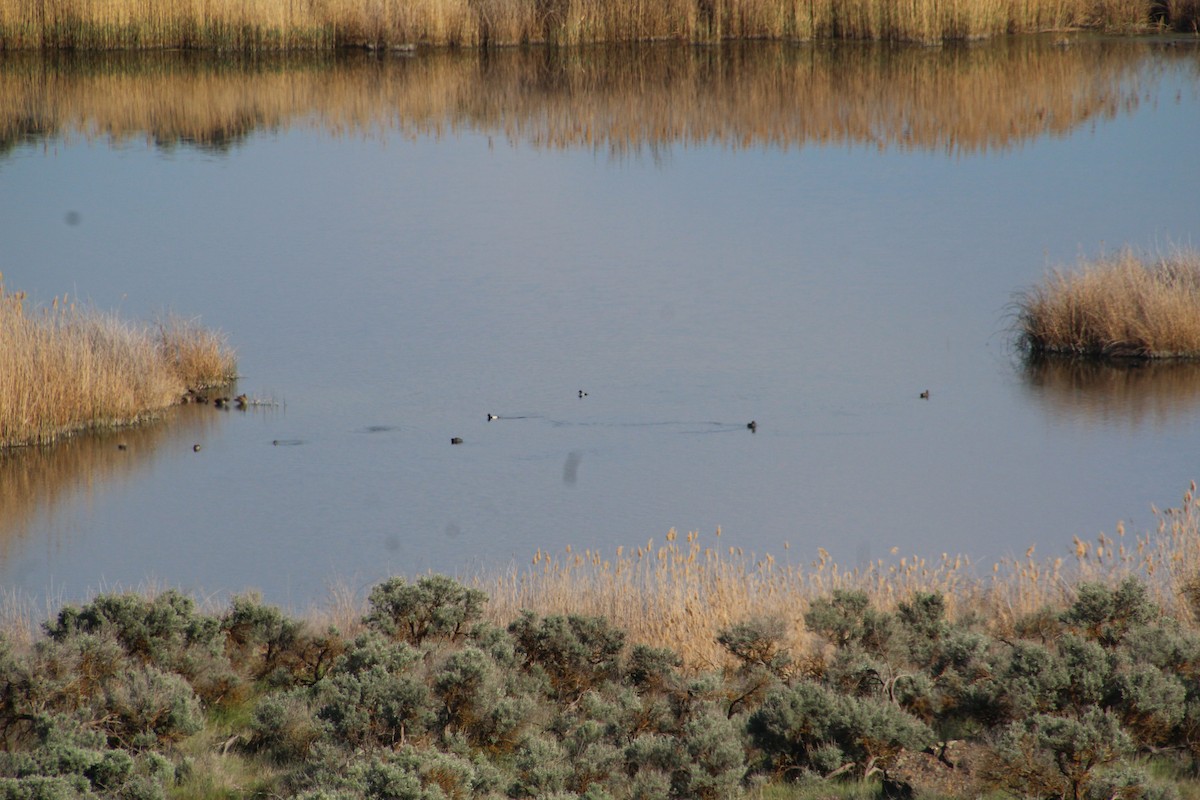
pixel 1117 307
pixel 714 676
pixel 260 25
pixel 68 368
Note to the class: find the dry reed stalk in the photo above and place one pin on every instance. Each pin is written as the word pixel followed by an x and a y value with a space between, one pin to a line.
pixel 197 356
pixel 1118 306
pixel 680 594
pixel 66 368
pixel 265 25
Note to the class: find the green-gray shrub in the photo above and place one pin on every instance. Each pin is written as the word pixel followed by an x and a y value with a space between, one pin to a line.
pixel 576 653
pixel 652 668
pixel 1088 670
pixel 477 702
pixel 374 696
pixel 1150 704
pixel 435 606
pixel 1107 615
pixel 285 726
pixel 1032 680
pixel 541 767
pixel 794 722
pixel 153 630
pixel 758 644
pixel 150 708
pixel 1127 782
pixel 1056 756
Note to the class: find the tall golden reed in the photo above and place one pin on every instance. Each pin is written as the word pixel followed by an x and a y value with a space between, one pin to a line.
pixel 263 25
pixel 67 368
pixel 1118 306
pixel 680 593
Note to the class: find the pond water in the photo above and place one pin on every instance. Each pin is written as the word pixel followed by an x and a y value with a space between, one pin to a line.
pixel 804 236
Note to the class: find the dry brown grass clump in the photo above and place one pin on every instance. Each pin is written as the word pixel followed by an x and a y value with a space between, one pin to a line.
pixel 1119 306
pixel 67 368
pixel 681 593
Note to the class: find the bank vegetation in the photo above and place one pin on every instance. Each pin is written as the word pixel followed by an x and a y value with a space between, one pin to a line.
pixel 1120 306
pixel 711 675
pixel 258 25
pixel 69 367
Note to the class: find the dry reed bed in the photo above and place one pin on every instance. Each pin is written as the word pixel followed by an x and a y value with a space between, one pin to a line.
pixel 1118 306
pixel 680 593
pixel 959 100
pixel 257 25
pixel 68 368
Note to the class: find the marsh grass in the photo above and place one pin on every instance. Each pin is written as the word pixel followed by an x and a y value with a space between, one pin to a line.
pixel 1119 306
pixel 67 368
pixel 679 593
pixel 265 25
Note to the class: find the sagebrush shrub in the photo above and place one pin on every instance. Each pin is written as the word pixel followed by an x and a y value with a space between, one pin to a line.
pixel 577 653
pixel 1046 755
pixel 375 695
pixel 1107 615
pixel 435 606
pixel 796 722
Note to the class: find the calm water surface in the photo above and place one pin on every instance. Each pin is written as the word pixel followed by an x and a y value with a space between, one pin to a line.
pixel 806 237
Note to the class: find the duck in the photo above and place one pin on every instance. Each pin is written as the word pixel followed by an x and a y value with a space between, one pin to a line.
pixel 492 417
pixel 456 440
pixel 753 426
pixel 925 395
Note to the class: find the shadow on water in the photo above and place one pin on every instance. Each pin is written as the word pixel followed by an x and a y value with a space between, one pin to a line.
pixel 1133 394
pixel 34 481
pixel 959 99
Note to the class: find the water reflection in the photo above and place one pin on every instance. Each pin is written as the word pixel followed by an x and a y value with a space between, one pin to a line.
pixel 1133 395
pixel 962 99
pixel 34 481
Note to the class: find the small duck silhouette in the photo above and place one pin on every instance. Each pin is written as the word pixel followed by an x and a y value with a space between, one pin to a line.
pixel 242 401
pixel 753 426
pixel 456 440
pixel 925 395
pixel 582 393
pixel 492 417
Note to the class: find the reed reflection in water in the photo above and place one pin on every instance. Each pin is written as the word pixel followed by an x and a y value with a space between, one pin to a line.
pixel 1134 394
pixel 36 480
pixel 961 99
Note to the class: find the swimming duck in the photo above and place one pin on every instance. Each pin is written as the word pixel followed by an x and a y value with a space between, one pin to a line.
pixel 753 426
